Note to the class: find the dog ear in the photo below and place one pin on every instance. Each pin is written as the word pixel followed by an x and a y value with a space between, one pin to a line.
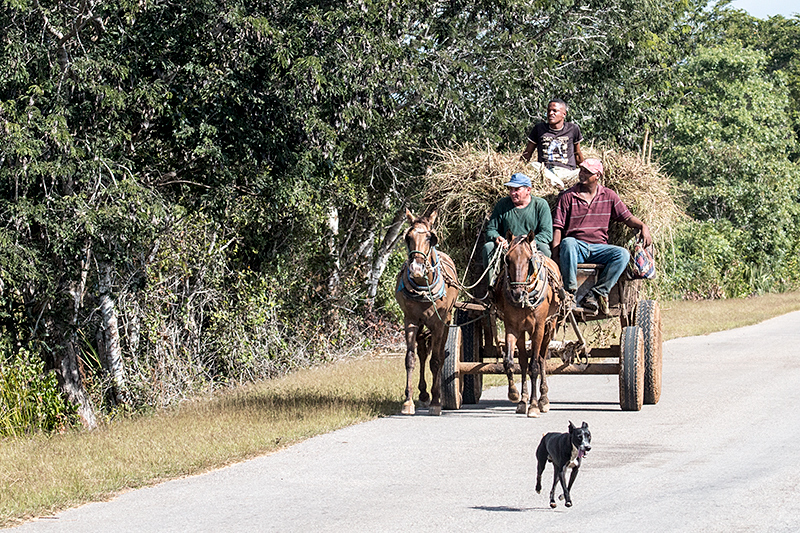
pixel 571 426
pixel 585 426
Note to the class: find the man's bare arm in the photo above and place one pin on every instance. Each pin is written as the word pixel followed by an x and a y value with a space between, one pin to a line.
pixel 578 154
pixel 528 153
pixel 635 223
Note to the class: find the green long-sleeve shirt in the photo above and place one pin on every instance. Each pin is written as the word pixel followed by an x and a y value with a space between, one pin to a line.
pixel 535 216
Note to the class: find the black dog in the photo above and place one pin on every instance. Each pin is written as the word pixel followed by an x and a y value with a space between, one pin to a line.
pixel 563 450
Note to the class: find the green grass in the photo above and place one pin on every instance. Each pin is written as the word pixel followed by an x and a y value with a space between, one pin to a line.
pixel 689 318
pixel 42 474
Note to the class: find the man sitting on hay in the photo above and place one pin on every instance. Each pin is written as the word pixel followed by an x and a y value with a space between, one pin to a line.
pixel 580 233
pixel 557 144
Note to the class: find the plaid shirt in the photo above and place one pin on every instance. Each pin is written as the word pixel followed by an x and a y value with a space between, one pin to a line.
pixel 589 222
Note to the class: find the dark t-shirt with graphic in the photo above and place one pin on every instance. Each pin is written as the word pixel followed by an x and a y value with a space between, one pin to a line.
pixel 556 147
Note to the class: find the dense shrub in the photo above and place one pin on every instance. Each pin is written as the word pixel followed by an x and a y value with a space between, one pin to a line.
pixel 30 398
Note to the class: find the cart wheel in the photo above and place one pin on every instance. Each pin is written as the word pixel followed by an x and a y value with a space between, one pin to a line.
pixel 648 317
pixel 472 383
pixel 451 379
pixel 631 369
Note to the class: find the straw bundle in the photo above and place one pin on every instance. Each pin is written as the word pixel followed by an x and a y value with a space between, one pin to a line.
pixel 464 185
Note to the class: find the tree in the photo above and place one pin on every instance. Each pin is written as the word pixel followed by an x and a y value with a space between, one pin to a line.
pixel 727 143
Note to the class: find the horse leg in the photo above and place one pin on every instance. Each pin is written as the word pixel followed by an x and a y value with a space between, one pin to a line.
pixel 508 363
pixel 438 341
pixel 423 350
pixel 549 329
pixel 411 331
pixel 537 372
pixel 522 406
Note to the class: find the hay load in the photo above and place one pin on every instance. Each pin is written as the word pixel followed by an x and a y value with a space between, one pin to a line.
pixel 464 185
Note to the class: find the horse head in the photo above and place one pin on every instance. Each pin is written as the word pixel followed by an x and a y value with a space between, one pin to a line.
pixel 421 242
pixel 520 269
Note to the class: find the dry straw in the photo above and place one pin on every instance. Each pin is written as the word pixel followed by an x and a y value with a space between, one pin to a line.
pixel 464 184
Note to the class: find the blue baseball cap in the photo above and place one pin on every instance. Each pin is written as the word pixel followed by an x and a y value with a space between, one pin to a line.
pixel 519 180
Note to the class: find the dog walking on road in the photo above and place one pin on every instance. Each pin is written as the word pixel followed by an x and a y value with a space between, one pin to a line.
pixel 564 450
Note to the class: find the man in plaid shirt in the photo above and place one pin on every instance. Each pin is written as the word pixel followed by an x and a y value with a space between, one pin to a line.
pixel 580 233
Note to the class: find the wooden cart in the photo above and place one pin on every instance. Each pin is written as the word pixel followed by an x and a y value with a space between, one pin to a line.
pixel 473 347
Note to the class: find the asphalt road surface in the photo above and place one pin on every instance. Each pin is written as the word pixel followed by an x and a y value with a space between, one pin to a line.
pixel 718 453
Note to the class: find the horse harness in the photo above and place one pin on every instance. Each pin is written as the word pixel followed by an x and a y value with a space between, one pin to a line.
pixel 433 290
pixel 535 283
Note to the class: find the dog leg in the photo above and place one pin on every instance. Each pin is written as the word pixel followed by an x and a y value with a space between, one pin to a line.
pixel 553 490
pixel 562 478
pixel 541 463
pixel 572 477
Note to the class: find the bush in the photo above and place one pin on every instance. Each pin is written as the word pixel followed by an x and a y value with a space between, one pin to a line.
pixel 30 398
pixel 715 259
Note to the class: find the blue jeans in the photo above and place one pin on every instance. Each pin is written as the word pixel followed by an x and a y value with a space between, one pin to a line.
pixel 572 251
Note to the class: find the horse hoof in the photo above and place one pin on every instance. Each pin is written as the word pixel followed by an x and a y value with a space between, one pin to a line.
pixel 408 408
pixel 521 408
pixel 544 406
pixel 425 398
pixel 513 396
pixel 533 412
pixel 435 410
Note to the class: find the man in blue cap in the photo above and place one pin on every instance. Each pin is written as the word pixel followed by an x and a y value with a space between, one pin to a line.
pixel 519 213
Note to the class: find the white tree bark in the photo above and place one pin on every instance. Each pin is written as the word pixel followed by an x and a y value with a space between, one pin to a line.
pixel 111 349
pixel 68 365
pixel 335 275
pixel 383 253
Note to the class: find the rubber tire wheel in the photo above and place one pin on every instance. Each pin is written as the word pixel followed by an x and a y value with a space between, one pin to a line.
pixel 451 380
pixel 472 386
pixel 648 317
pixel 631 369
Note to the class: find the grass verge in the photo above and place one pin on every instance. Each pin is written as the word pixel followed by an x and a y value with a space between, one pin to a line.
pixel 42 474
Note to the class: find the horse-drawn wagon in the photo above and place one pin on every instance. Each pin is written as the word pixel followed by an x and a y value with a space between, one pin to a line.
pixel 474 348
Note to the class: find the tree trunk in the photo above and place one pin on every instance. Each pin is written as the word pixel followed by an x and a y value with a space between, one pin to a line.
pixel 334 277
pixel 67 363
pixel 111 347
pixel 381 258
pixel 69 377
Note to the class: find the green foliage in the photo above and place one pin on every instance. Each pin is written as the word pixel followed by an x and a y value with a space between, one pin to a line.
pixel 204 154
pixel 729 138
pixel 776 37
pixel 713 259
pixel 30 399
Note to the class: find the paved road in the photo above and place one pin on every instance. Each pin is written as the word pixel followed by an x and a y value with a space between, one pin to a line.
pixel 718 453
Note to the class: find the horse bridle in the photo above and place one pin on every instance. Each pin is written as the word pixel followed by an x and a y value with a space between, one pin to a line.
pixel 531 272
pixel 426 257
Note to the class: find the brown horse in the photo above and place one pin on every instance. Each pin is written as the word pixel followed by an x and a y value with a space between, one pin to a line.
pixel 426 291
pixel 528 297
